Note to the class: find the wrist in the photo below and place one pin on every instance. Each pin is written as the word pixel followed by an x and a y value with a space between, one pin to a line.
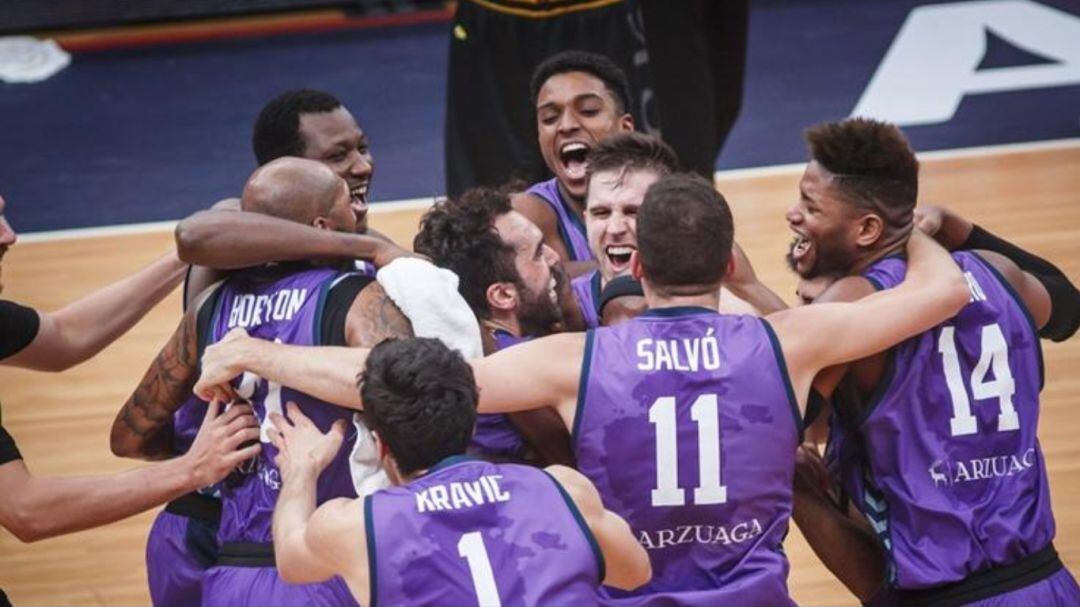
pixel 955 231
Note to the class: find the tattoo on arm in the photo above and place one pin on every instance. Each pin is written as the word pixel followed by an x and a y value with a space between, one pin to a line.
pixel 374 317
pixel 147 415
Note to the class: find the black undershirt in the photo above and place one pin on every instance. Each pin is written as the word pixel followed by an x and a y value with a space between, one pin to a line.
pixel 18 327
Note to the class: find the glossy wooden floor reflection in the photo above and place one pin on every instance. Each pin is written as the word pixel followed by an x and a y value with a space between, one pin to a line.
pixel 61 422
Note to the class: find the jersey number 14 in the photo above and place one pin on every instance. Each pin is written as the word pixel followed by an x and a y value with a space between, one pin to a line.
pixel 994 356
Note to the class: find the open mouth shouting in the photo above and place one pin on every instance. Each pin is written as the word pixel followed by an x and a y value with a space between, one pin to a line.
pixel 573 156
pixel 801 254
pixel 618 257
pixel 359 200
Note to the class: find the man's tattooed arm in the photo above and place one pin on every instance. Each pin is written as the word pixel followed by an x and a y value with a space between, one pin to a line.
pixel 373 317
pixel 144 426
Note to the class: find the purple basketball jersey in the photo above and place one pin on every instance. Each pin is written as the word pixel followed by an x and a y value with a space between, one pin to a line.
pixel 951 438
pixel 474 533
pixel 687 424
pixel 496 436
pixel 571 228
pixel 286 308
pixel 587 291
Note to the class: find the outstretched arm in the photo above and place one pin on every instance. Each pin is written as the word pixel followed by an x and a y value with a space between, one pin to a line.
pixel 626 562
pixel 35 508
pixel 1052 299
pixel 543 372
pixel 144 426
pixel 231 239
pixel 84 327
pixel 825 334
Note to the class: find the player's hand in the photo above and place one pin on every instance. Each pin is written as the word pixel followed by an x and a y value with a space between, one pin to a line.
pixel 302 448
pixel 224 441
pixel 221 362
pixel 928 219
pixel 946 227
pixel 742 272
pixel 810 472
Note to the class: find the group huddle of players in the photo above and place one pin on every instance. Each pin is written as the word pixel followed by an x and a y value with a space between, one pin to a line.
pixel 549 403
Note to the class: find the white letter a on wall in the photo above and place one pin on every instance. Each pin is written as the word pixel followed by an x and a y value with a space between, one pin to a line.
pixel 933 62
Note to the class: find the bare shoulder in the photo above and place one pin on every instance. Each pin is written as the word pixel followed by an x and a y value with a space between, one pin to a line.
pixel 535 208
pixel 578 487
pixel 374 317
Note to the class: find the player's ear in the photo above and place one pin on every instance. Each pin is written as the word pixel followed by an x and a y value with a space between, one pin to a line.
pixel 635 266
pixel 321 223
pixel 626 122
pixel 730 269
pixel 502 296
pixel 871 229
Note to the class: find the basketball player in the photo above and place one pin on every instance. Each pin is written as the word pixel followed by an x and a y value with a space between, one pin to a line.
pixel 293 303
pixel 580 99
pixel 307 123
pixel 955 478
pixel 303 123
pixel 509 278
pixel 647 391
pixel 33 508
pixel 621 168
pixel 456 530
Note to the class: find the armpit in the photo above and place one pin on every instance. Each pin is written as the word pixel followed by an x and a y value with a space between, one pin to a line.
pixel 374 318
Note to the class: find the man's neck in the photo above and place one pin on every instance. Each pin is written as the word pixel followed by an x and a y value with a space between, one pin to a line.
pixel 872 257
pixel 710 300
pixel 577 206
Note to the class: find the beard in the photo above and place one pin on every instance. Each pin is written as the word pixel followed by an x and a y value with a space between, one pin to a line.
pixel 538 314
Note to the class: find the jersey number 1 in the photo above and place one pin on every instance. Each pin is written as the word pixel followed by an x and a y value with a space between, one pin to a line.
pixel 994 355
pixel 706 413
pixel 471 548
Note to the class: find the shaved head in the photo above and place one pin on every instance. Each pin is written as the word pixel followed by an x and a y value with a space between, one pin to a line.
pixel 290 188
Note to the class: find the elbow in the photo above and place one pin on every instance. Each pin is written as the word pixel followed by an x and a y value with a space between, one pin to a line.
pixel 956 295
pixel 191 237
pixel 635 573
pixel 26 525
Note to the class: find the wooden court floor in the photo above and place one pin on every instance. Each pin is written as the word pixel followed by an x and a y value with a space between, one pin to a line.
pixel 62 421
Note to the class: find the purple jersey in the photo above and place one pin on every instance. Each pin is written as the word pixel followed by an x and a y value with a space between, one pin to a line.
pixel 571 228
pixel 950 437
pixel 286 308
pixel 587 292
pixel 687 424
pixel 474 533
pixel 496 436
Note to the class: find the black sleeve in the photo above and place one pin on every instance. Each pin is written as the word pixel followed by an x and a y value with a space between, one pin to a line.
pixel 1064 298
pixel 8 451
pixel 336 310
pixel 18 327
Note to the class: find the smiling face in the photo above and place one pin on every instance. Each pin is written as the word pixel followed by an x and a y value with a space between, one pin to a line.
pixel 825 227
pixel 7 238
pixel 536 265
pixel 334 139
pixel 611 217
pixel 342 216
pixel 574 111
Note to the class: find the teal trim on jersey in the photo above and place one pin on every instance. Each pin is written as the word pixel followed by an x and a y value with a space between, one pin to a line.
pixel 678 311
pixel 601 565
pixel 1023 308
pixel 373 569
pixel 875 283
pixel 583 385
pixel 594 286
pixel 882 387
pixel 781 366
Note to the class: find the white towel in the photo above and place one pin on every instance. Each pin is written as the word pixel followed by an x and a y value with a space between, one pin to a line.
pixel 428 296
pixel 27 59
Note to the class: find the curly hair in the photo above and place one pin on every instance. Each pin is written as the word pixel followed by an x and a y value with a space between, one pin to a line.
pixel 459 234
pixel 590 63
pixel 277 129
pixel 420 399
pixel 872 164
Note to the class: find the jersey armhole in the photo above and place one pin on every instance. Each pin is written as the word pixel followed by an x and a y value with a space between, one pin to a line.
pixel 332 309
pixel 601 565
pixel 373 569
pixel 781 366
pixel 205 319
pixel 583 385
pixel 1023 308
